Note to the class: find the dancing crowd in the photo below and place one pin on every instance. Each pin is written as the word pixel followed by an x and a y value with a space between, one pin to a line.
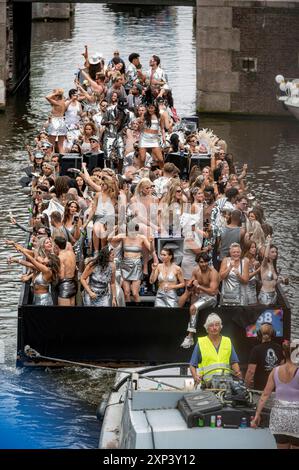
pixel 164 211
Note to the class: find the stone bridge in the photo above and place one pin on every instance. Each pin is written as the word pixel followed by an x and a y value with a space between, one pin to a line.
pixel 241 46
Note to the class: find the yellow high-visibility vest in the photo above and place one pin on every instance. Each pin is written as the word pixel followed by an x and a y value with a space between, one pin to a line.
pixel 213 362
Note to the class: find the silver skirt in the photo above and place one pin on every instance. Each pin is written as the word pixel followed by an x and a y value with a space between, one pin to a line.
pixel 166 299
pixel 103 298
pixel 149 140
pixel 131 269
pixel 284 418
pixel 57 126
pixel 42 299
pixel 267 298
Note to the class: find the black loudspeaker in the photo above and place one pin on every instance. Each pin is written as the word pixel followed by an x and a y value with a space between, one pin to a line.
pixel 181 162
pixel 70 160
pixel 94 160
pixel 201 160
pixel 175 244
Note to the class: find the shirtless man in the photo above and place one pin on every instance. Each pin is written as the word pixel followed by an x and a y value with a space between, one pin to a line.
pixel 67 285
pixel 203 289
pixel 57 127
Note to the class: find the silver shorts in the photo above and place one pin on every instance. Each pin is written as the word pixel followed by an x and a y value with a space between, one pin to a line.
pixel 42 299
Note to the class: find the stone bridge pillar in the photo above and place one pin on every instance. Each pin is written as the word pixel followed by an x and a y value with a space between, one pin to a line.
pixel 241 46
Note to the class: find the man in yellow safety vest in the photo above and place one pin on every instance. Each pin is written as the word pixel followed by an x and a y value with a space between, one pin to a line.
pixel 214 353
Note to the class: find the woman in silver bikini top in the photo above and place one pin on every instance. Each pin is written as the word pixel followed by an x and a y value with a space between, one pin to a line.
pixel 170 277
pixel 39 281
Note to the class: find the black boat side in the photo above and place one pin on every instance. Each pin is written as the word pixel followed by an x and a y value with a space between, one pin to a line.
pixel 128 336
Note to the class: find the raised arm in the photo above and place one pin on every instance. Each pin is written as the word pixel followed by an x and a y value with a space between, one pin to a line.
pixel 51 97
pixel 266 254
pixel 155 273
pixel 39 266
pixel 85 175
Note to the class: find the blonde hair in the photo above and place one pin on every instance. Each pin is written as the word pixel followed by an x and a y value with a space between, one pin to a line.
pixel 140 185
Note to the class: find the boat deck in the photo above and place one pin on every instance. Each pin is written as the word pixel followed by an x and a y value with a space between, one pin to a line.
pixel 145 415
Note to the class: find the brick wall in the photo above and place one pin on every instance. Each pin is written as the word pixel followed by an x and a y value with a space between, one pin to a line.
pixel 272 36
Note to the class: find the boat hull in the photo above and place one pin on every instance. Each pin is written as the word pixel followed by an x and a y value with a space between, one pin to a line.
pixel 140 415
pixel 129 335
pixel 293 109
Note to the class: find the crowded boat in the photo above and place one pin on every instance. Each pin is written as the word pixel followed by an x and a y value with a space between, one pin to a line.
pixel 131 201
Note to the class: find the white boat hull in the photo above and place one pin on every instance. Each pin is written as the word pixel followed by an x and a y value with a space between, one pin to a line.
pixel 293 109
pixel 148 418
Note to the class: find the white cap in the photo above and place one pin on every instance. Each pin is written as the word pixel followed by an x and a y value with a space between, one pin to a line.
pixel 212 318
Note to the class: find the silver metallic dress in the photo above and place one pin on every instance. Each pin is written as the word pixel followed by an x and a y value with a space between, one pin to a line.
pixel 267 298
pixel 99 281
pixel 233 292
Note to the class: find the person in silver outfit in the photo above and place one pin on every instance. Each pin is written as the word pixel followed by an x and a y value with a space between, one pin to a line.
pixel 98 275
pixel 170 278
pixel 234 273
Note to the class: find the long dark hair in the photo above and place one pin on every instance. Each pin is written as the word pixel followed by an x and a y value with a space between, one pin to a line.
pixel 170 253
pixel 275 260
pixel 102 259
pixel 67 209
pixel 54 265
pixel 147 115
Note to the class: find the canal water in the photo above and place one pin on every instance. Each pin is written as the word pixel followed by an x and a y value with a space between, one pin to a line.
pixel 56 409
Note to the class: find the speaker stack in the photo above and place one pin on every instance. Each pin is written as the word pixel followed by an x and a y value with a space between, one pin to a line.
pixel 70 160
pixel 200 159
pixel 180 161
pixel 94 160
